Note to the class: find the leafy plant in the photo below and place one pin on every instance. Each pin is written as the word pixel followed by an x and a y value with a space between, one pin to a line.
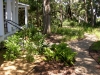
pixel 32 44
pixel 29 58
pixel 95 46
pixel 31 49
pixel 13 47
pixel 38 39
pixel 60 52
pixel 50 54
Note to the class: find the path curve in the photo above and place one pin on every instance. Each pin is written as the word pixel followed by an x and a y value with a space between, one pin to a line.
pixel 84 65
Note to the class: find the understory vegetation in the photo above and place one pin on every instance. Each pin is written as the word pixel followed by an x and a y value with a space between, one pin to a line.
pixel 95 46
pixel 72 30
pixel 25 44
pixel 51 35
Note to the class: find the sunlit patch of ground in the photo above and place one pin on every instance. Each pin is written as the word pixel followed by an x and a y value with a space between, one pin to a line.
pixel 21 67
pixel 18 66
pixel 38 67
pixel 84 65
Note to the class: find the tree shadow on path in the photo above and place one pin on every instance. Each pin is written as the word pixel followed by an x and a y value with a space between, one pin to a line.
pixel 84 63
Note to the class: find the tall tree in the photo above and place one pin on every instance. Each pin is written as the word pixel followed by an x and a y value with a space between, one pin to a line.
pixel 46 16
pixel 86 17
pixel 92 13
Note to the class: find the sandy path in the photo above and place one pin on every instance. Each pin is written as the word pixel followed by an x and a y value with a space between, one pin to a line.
pixel 84 65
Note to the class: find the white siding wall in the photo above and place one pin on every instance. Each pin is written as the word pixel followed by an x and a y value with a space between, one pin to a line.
pixel 1 19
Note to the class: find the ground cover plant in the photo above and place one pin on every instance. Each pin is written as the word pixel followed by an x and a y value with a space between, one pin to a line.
pixel 18 45
pixel 33 43
pixel 60 52
pixel 13 48
pixel 95 46
pixel 72 30
pixel 33 39
pixel 70 20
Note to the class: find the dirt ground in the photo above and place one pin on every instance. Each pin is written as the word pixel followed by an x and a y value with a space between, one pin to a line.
pixel 39 67
pixel 84 65
pixel 95 55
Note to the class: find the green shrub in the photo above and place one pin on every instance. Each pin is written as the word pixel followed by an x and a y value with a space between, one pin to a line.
pixel 70 23
pixel 30 50
pixel 30 32
pixel 38 39
pixel 95 46
pixel 60 52
pixel 13 47
pixel 31 41
pixel 49 54
pixel 29 58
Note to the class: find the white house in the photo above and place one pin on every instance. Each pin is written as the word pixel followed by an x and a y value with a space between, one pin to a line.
pixel 9 11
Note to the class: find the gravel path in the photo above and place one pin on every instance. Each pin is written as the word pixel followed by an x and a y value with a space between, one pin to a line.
pixel 84 65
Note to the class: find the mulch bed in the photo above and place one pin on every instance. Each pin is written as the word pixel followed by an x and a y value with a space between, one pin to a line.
pixel 52 68
pixel 96 56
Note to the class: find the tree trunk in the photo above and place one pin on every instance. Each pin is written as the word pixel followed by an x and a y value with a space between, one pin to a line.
pixel 69 10
pixel 37 14
pixel 92 13
pixel 61 15
pixel 86 16
pixel 46 16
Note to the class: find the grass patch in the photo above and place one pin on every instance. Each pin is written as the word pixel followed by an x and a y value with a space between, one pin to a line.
pixel 69 33
pixel 72 30
pixel 95 46
pixel 96 31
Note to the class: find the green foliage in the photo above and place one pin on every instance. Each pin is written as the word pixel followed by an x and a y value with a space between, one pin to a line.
pixel 54 28
pixel 70 23
pixel 72 30
pixel 35 36
pixel 30 51
pixel 31 31
pixel 38 39
pixel 95 46
pixel 13 47
pixel 97 33
pixel 49 53
pixel 34 43
pixel 60 52
pixel 29 58
pixel 70 34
